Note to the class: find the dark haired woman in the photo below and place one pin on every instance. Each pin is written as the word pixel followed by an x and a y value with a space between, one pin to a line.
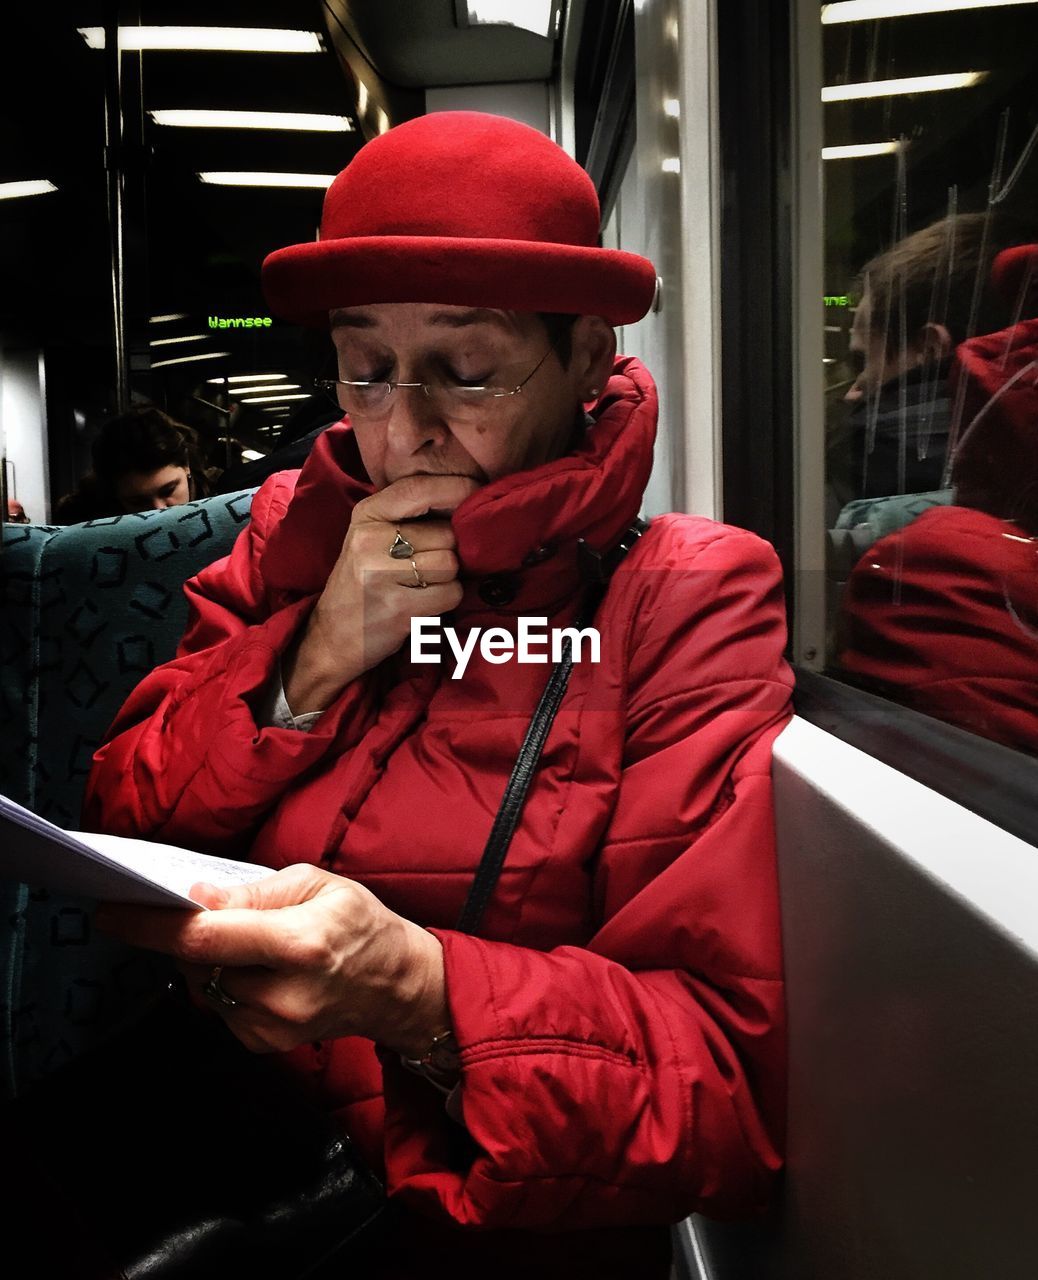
pixel 143 461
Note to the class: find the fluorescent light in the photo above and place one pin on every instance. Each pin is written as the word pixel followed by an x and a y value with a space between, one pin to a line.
pixel 251 455
pixel 908 84
pixel 205 355
pixel 671 165
pixel 672 108
pixel 231 178
pixel 538 16
pixel 207 39
pixel 249 377
pixel 15 190
pixel 303 395
pixel 245 392
pixel 306 121
pixel 863 10
pixel 188 337
pixel 860 149
pixel 180 315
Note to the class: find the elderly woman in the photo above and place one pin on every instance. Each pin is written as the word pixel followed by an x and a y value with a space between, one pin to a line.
pixel 608 1050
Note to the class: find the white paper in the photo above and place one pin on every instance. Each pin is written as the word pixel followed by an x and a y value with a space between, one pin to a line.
pixel 108 868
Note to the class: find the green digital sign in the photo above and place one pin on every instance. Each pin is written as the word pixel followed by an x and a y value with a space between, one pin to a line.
pixel 240 322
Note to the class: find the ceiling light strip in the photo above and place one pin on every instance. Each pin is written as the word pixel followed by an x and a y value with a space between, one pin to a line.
pixel 188 337
pixel 33 187
pixel 539 16
pixel 232 178
pixel 208 39
pixel 860 149
pixel 244 393
pixel 864 10
pixel 205 355
pixel 301 121
pixel 303 395
pixel 249 377
pixel 905 85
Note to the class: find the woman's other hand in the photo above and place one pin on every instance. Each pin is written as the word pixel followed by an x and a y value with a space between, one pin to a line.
pixel 307 955
pixel 364 613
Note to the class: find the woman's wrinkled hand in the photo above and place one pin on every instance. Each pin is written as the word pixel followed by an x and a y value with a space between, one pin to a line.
pixel 307 955
pixel 364 613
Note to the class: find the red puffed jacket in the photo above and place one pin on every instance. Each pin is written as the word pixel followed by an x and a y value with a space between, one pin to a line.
pixel 620 1015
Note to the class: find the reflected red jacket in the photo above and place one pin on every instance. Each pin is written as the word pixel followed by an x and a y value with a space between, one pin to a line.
pixel 620 1017
pixel 943 614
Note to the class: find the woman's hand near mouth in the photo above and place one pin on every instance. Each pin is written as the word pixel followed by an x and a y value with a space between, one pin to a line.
pixel 364 613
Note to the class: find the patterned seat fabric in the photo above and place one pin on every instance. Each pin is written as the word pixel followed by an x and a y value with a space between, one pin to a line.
pixel 87 610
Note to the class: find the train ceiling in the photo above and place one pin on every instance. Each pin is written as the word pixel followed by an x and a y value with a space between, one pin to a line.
pixel 192 247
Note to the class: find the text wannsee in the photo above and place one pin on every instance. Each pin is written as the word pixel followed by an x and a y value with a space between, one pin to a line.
pixel 239 322
pixel 533 643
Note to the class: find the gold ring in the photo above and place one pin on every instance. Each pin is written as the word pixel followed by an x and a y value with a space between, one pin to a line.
pixel 400 548
pixel 215 992
pixel 419 581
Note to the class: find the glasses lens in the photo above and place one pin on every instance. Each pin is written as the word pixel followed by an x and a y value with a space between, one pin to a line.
pixel 465 404
pixel 365 399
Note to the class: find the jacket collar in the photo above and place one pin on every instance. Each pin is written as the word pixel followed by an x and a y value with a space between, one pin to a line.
pixel 518 537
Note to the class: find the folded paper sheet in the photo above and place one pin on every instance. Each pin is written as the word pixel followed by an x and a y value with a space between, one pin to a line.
pixel 108 868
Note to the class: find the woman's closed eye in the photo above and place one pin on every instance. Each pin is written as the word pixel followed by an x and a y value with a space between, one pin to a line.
pixel 463 380
pixel 376 375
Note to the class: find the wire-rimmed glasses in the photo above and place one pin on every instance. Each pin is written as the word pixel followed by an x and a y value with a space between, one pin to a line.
pixel 457 401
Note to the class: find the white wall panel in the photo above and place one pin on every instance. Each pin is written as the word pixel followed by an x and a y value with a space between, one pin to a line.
pixel 526 102
pixel 910 932
pixel 24 419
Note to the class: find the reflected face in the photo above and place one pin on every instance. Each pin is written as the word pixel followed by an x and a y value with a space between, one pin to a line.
pixel 875 365
pixel 412 434
pixel 153 490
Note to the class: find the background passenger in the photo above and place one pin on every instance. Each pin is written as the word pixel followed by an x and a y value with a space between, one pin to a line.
pixel 143 461
pixel 612 1041
pixel 918 301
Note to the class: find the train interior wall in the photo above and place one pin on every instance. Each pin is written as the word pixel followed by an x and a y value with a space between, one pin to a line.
pixel 912 965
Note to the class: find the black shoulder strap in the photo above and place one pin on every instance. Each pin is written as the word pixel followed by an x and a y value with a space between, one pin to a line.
pixel 508 815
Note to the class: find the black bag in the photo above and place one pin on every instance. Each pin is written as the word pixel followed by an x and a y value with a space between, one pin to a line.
pixel 173 1153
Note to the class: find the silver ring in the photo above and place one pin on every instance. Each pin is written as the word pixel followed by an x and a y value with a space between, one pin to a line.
pixel 215 992
pixel 419 581
pixel 400 548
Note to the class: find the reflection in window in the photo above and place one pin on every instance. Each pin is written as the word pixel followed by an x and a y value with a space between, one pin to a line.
pixel 931 169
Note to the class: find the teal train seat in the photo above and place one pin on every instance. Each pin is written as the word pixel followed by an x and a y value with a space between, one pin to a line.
pixel 87 611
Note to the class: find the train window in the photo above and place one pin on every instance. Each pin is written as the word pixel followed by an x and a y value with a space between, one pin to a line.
pixel 931 358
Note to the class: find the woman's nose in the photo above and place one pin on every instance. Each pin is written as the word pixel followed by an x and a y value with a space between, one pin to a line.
pixel 856 391
pixel 414 421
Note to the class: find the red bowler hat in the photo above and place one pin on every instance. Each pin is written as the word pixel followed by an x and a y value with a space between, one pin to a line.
pixel 461 208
